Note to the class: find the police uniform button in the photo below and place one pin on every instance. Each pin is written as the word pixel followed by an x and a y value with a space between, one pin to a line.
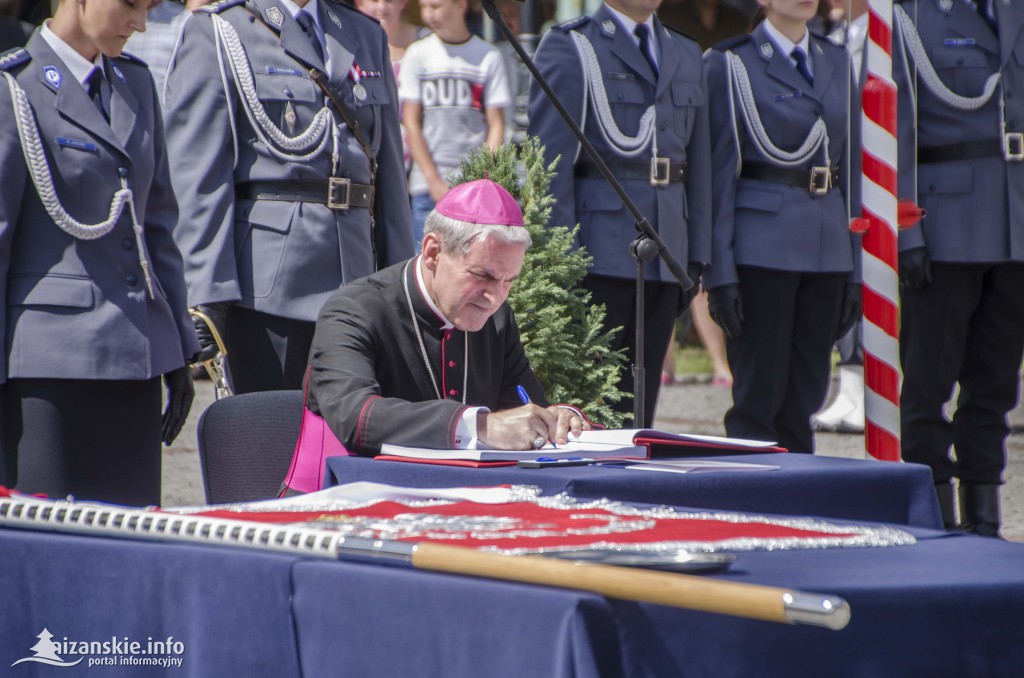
pixel 131 279
pixel 127 243
pixel 661 127
pixel 359 91
pixel 619 96
pixel 122 172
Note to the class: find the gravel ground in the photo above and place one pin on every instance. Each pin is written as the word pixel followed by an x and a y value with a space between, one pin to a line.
pixel 692 407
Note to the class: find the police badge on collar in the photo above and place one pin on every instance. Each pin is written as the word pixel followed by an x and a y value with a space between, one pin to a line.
pixel 274 16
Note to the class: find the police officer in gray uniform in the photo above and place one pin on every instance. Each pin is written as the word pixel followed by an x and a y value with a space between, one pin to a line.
pixel 782 282
pixel 959 65
pixel 281 201
pixel 637 90
pixel 94 296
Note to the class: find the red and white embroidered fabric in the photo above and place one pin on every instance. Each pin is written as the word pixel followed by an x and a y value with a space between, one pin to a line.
pixel 533 524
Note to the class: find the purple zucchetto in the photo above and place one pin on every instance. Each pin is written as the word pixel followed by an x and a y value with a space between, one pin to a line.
pixel 481 202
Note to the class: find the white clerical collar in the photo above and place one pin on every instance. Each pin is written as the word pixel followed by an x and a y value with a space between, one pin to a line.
pixel 79 66
pixel 629 25
pixel 784 43
pixel 311 8
pixel 422 287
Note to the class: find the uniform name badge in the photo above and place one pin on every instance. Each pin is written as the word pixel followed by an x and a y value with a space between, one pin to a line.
pixel 660 171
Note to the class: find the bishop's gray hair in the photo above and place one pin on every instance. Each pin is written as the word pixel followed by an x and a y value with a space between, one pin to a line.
pixel 458 236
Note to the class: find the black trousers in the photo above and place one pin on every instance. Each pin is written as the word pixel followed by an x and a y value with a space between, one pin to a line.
pixel 966 327
pixel 94 439
pixel 781 363
pixel 266 352
pixel 661 306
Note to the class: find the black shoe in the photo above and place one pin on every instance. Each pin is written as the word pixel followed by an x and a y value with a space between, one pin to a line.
pixel 979 509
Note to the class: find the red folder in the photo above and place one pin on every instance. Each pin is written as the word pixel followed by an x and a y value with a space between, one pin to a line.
pixel 445 462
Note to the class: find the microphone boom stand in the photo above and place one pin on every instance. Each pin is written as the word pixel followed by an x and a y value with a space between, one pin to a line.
pixel 647 245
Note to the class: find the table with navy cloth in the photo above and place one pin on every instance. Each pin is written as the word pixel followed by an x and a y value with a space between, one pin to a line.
pixel 832 487
pixel 949 605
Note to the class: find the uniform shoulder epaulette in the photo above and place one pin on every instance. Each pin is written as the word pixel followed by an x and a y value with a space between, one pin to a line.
pixel 132 59
pixel 219 6
pixel 13 58
pixel 824 40
pixel 573 23
pixel 350 8
pixel 679 32
pixel 732 42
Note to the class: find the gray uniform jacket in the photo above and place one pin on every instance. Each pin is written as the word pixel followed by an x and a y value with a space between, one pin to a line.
pixel 680 212
pixel 80 309
pixel 769 224
pixel 280 257
pixel 975 206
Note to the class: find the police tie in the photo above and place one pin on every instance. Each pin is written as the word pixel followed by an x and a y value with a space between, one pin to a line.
pixel 643 33
pixel 95 82
pixel 305 20
pixel 800 57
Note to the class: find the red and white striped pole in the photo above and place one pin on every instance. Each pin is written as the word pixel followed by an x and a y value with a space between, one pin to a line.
pixel 880 258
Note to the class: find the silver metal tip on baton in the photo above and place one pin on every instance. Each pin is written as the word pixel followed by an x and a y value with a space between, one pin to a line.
pixel 831 612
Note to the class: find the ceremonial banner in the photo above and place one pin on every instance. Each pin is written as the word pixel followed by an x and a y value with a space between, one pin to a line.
pixel 492 537
pixel 529 523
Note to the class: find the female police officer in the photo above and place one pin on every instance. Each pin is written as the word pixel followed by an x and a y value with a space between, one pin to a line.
pixel 94 309
pixel 781 276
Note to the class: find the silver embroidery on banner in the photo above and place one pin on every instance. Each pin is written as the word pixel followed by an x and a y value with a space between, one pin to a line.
pixel 623 519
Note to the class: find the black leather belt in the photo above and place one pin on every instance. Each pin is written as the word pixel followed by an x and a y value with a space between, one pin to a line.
pixel 661 172
pixel 816 180
pixel 336 193
pixel 967 150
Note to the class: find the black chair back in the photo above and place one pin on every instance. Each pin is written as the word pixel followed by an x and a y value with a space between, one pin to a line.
pixel 246 444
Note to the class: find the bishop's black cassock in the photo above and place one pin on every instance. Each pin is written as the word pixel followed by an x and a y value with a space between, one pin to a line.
pixel 368 377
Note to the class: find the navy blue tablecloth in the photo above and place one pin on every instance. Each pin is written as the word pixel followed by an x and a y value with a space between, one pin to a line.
pixel 950 605
pixel 231 609
pixel 832 487
pixel 947 606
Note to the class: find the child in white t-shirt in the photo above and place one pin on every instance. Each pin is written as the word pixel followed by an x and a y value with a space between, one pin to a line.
pixel 454 89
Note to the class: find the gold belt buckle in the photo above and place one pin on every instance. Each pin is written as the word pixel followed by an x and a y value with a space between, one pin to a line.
pixel 1013 146
pixel 660 168
pixel 821 180
pixel 334 185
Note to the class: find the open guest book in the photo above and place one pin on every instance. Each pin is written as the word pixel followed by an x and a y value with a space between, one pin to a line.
pixel 661 444
pixel 588 449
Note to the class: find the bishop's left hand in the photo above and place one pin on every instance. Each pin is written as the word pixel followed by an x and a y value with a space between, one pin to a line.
pixel 569 420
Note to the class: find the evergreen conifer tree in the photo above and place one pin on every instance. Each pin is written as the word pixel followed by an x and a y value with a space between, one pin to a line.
pixel 560 330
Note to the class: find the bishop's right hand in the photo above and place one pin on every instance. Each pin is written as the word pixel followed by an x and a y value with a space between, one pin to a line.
pixel 517 429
